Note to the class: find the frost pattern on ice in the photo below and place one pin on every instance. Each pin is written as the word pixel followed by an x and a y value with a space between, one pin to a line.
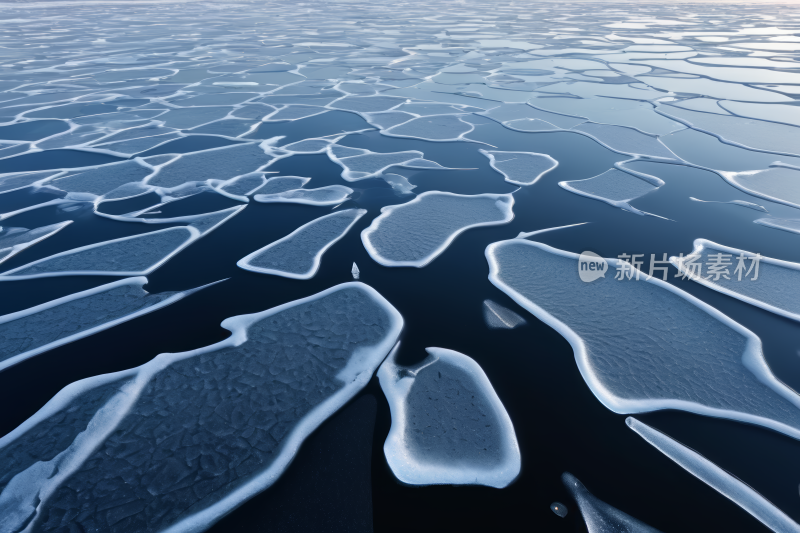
pixel 615 187
pixel 417 232
pixel 166 454
pixel 772 287
pixel 717 478
pixel 448 425
pixel 598 515
pixel 298 255
pixel 498 317
pixel 520 168
pixel 667 360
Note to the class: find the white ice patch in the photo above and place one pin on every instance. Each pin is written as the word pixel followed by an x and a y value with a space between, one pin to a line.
pixel 417 232
pixel 399 183
pixel 322 196
pixel 615 187
pixel 520 168
pixel 448 425
pixel 659 365
pixel 758 280
pixel 717 478
pixel 298 255
pixel 498 317
pixel 14 240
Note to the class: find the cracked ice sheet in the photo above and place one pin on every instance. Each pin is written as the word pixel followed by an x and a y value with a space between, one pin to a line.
pixel 14 240
pixel 322 196
pixel 599 516
pixel 298 255
pixel 626 140
pixel 417 232
pixel 659 366
pixel 101 180
pixel 137 255
pixel 30 332
pixel 717 478
pixel 520 168
pixel 218 163
pixel 441 128
pixel 448 425
pixel 243 427
pixel 773 289
pixel 359 164
pixel 615 187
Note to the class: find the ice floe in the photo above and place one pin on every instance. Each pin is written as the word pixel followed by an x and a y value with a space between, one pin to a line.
pixel 520 168
pixel 217 163
pixel 330 195
pixel 298 255
pixel 786 224
pixel 29 332
pixel 778 183
pixel 432 128
pixel 229 439
pixel 282 184
pixel 717 478
pixel 758 280
pixel 359 164
pixel 626 140
pixel 498 317
pixel 615 187
pixel 417 232
pixel 658 366
pixel 448 425
pixel 559 509
pixel 15 240
pixel 136 255
pixel 355 271
pixel 598 515
pixel 749 205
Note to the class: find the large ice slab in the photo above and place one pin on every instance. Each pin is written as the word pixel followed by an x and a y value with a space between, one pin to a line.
pixel 598 515
pixel 298 255
pixel 38 329
pixel 615 187
pixel 448 425
pixel 717 478
pixel 765 282
pixel 218 163
pixel 417 232
pixel 666 359
pixel 626 140
pixel 520 168
pixel 137 255
pixel 778 183
pixel 14 240
pixel 330 195
pixel 190 436
pixel 103 179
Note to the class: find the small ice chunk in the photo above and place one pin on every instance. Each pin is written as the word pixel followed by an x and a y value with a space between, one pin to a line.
pixel 355 271
pixel 432 128
pixel 330 195
pixel 667 360
pixel 786 224
pixel 749 205
pixel 758 280
pixel 717 478
pixel 615 187
pixel 14 240
pixel 626 140
pixel 417 232
pixel 399 183
pixel 777 183
pixel 559 509
pixel 229 439
pixel 498 317
pixel 520 168
pixel 598 515
pixel 283 184
pixel 218 163
pixel 298 255
pixel 448 425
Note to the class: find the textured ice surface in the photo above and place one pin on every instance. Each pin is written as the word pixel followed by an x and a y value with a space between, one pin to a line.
pixel 615 187
pixel 330 195
pixel 32 331
pixel 128 256
pixel 15 181
pixel 190 436
pixel 749 205
pixel 298 255
pixel 448 425
pixel 716 478
pixel 355 271
pixel 104 179
pixel 218 163
pixel 244 185
pixel 679 353
pixel 786 224
pixel 498 317
pixel 14 240
pixel 598 515
pixel 626 140
pixel 417 232
pixel 521 168
pixel 778 183
pixel 771 287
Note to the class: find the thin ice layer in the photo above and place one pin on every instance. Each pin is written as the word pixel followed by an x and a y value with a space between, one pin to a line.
pixel 749 205
pixel 598 515
pixel 136 255
pixel 103 179
pixel 520 168
pixel 262 391
pixel 41 328
pixel 765 282
pixel 717 478
pixel 298 255
pixel 615 187
pixel 626 140
pixel 330 195
pixel 778 183
pixel 15 240
pixel 667 359
pixel 432 128
pixel 218 163
pixel 498 317
pixel 417 232
pixel 448 425
pixel 786 224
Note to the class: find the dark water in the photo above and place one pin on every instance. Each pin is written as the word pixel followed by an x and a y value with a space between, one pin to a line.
pixel 559 424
